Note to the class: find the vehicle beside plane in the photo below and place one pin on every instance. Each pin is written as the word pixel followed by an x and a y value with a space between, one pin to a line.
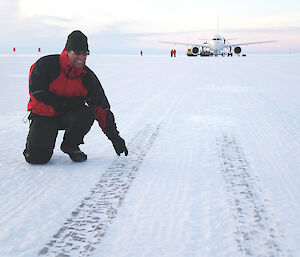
pixel 217 45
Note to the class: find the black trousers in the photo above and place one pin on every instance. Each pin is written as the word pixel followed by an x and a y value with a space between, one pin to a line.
pixel 43 131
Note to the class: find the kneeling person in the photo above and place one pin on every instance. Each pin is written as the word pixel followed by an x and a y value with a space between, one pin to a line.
pixel 66 94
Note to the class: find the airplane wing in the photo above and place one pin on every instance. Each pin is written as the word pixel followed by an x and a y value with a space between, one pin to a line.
pixel 249 43
pixel 184 44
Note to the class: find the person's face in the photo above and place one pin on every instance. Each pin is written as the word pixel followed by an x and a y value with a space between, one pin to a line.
pixel 77 59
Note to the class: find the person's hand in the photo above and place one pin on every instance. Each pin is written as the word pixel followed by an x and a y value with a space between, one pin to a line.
pixel 119 145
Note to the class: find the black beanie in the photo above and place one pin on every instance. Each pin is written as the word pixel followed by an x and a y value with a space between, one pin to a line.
pixel 77 41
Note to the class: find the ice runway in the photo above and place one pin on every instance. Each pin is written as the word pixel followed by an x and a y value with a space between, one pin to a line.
pixel 221 178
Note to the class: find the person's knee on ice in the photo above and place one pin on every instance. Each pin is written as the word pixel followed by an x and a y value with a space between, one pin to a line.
pixel 41 139
pixel 37 156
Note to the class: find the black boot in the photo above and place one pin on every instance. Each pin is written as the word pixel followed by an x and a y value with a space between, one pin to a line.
pixel 74 152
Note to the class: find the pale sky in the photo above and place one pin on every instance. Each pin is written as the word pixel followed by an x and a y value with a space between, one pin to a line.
pixel 119 26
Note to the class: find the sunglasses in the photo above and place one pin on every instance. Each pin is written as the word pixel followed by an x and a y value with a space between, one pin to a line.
pixel 84 53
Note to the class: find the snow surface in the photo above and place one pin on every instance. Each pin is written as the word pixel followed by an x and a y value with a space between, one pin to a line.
pixel 213 168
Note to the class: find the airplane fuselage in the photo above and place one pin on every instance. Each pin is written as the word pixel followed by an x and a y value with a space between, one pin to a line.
pixel 216 44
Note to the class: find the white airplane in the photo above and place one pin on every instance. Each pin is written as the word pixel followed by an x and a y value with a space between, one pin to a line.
pixel 217 45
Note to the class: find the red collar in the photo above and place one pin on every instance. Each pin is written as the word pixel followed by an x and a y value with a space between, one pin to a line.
pixel 68 69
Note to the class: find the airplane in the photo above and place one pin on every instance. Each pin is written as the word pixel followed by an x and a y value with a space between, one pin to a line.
pixel 217 45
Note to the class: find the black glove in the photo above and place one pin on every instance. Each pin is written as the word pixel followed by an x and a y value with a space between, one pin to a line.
pixel 119 145
pixel 72 103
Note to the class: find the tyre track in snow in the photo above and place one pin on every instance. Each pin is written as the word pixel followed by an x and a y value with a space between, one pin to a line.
pixel 256 233
pixel 86 227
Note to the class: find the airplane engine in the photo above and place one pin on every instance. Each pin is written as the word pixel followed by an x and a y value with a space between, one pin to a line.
pixel 195 50
pixel 237 50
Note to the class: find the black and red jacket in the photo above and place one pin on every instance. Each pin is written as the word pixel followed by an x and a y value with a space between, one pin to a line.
pixel 52 79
